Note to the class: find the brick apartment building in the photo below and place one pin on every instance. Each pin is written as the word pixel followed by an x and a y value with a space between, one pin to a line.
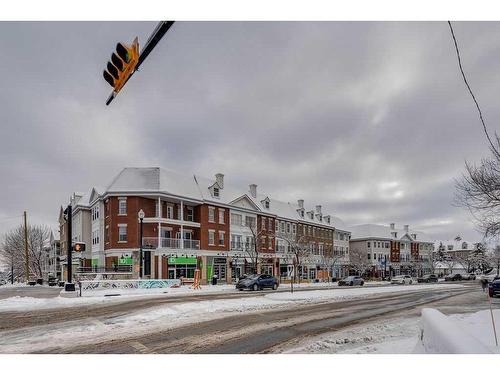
pixel 194 222
pixel 392 251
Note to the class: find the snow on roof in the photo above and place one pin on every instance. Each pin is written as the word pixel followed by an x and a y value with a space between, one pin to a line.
pixel 155 179
pixel 456 245
pixel 385 232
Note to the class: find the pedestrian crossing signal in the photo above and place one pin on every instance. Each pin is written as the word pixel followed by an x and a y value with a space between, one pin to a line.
pixel 79 247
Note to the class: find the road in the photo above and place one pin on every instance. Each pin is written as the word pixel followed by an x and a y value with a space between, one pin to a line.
pixel 263 331
pixel 19 319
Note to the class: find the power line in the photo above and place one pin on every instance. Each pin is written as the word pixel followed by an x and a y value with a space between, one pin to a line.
pixel 493 148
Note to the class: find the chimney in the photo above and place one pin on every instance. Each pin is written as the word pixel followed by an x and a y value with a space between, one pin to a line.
pixel 300 202
pixel 407 227
pixel 253 190
pixel 392 225
pixel 318 209
pixel 219 177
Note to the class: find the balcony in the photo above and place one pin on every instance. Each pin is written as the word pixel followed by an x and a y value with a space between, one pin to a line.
pixel 240 246
pixel 170 243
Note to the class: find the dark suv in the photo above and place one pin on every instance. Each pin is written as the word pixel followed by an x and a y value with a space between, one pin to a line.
pixel 494 288
pixel 428 279
pixel 258 282
pixel 453 277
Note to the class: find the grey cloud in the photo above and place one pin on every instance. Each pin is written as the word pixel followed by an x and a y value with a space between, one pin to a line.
pixel 370 119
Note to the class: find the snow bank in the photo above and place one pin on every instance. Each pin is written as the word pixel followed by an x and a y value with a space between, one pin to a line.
pixel 442 335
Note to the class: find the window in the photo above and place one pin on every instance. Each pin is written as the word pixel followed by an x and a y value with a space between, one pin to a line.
pixel 369 244
pixel 221 238
pixel 122 232
pixel 211 237
pixel 216 192
pixel 294 228
pixel 270 243
pixel 276 225
pixel 288 227
pixel 122 206
pixel 236 219
pixel 190 214
pixel 211 214
pixel 270 226
pixel 221 216
pixel 266 204
pixel 263 223
pixel 179 212
pixel 170 212
pixel 282 227
pixel 250 221
pixel 106 234
pixel 369 256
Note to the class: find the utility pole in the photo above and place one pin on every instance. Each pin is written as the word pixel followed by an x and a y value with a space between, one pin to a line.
pixel 26 255
pixel 69 286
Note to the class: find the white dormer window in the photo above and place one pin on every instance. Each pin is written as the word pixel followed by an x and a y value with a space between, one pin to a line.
pixel 328 220
pixel 266 204
pixel 216 192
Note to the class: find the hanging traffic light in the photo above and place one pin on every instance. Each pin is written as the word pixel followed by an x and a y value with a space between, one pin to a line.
pixel 127 59
pixel 122 65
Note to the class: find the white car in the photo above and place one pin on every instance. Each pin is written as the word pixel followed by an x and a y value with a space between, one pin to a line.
pixel 402 279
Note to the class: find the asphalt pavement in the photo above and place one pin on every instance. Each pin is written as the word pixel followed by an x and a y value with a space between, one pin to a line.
pixel 260 332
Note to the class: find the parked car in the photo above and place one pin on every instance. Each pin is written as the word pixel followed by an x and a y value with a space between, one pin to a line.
pixel 258 282
pixel 402 279
pixel 428 279
pixel 352 280
pixel 494 288
pixel 453 277
pixel 469 276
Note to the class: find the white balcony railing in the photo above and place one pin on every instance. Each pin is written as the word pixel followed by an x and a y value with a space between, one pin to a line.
pixel 170 243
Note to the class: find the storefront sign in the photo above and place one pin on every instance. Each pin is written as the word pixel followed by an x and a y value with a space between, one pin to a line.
pixel 182 260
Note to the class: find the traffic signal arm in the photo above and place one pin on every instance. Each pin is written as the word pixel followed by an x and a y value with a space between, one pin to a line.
pixel 127 59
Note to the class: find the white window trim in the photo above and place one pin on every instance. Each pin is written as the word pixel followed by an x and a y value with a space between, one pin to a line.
pixel 122 199
pixel 211 208
pixel 211 231
pixel 122 226
pixel 223 212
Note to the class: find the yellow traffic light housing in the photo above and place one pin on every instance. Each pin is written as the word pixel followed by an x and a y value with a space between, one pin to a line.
pixel 122 65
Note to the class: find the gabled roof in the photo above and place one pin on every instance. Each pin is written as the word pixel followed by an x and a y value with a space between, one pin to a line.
pixel 385 232
pixel 155 179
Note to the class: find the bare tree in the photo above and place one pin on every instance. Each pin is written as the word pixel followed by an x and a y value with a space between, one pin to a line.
pixel 297 245
pixel 359 261
pixel 479 190
pixel 12 249
pixel 253 249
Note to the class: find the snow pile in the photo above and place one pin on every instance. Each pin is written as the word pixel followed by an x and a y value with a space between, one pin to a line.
pixel 459 335
pixel 395 335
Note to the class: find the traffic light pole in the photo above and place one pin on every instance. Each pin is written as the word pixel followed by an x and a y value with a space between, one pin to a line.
pixel 69 286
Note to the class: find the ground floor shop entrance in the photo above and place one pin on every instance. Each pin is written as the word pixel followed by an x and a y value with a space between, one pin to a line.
pixel 219 269
pixel 181 267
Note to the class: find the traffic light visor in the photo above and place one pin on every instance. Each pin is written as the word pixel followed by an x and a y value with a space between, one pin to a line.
pixel 122 52
pixel 108 78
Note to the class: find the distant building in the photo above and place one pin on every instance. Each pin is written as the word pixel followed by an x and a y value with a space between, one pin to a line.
pixel 392 251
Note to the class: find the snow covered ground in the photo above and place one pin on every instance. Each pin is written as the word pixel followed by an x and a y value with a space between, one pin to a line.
pixel 17 303
pixel 163 317
pixel 394 336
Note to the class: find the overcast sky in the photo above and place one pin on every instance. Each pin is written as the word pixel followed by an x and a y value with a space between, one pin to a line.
pixel 369 119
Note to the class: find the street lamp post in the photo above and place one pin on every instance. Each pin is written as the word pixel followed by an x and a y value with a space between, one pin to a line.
pixel 141 218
